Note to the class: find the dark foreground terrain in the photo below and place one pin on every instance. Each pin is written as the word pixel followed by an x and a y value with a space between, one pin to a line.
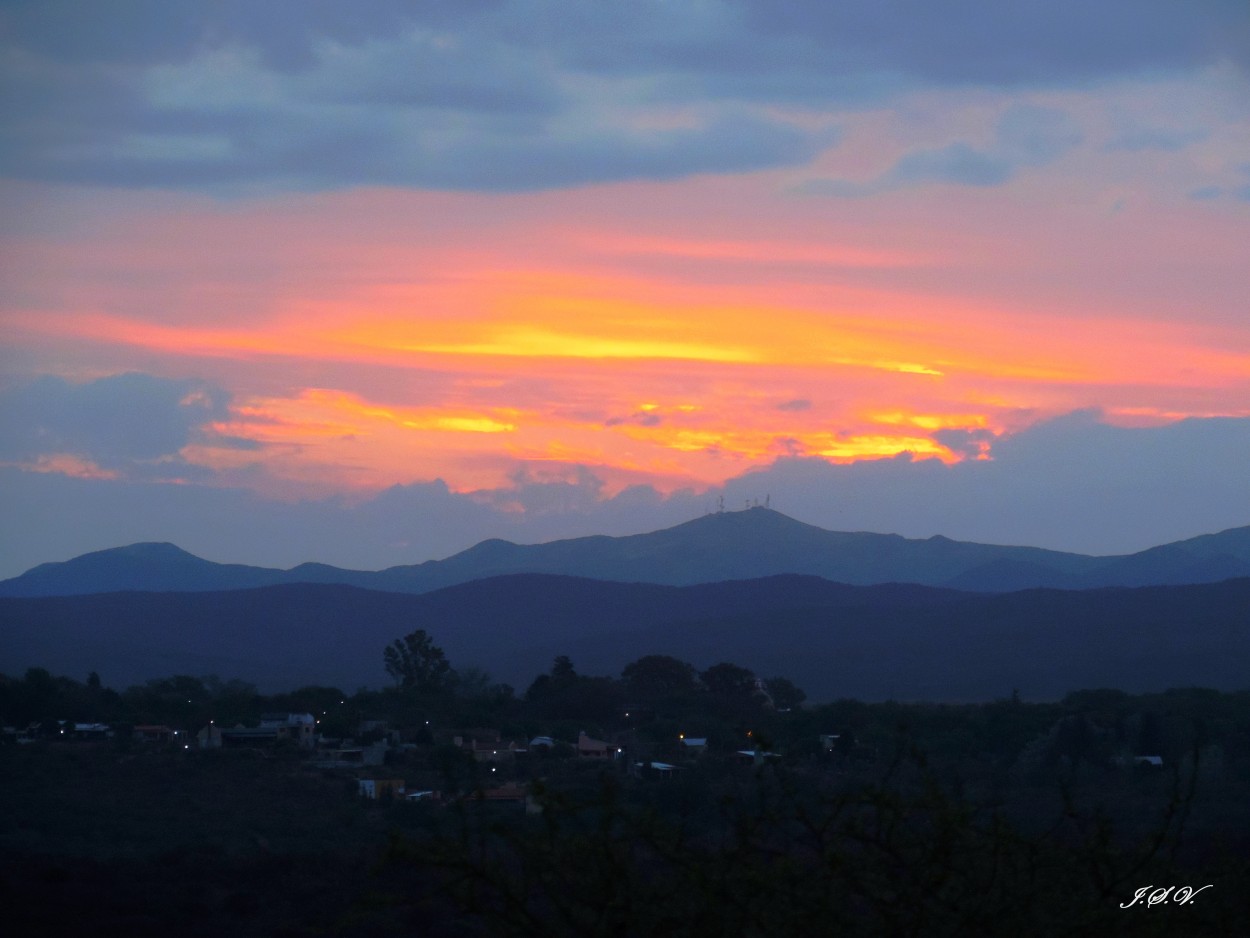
pixel 931 828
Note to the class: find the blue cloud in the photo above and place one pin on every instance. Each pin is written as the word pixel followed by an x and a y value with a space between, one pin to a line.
pixel 116 422
pixel 1240 192
pixel 1011 41
pixel 524 94
pixel 1072 483
pixel 1150 138
pixel 641 418
pixel 965 442
pixel 1024 137
pixel 1206 193
pixel 957 163
pixel 1014 42
pixel 797 404
pixel 1036 136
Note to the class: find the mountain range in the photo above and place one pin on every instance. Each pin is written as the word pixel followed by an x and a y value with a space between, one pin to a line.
pixel 843 614
pixel 756 542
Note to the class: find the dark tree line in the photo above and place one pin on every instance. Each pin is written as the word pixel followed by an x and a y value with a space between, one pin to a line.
pixel 879 819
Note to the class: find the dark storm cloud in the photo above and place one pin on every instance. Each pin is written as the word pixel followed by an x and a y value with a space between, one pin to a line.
pixel 525 94
pixel 115 422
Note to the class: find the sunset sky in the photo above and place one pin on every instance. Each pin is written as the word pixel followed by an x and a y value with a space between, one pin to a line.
pixel 367 283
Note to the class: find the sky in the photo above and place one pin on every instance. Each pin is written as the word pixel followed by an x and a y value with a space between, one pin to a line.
pixel 368 283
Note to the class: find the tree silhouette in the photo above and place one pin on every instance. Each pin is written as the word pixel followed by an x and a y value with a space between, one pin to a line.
pixel 729 681
pixel 656 677
pixel 563 674
pixel 785 693
pixel 415 662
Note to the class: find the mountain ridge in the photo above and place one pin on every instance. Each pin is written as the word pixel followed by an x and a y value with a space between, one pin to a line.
pixel 747 544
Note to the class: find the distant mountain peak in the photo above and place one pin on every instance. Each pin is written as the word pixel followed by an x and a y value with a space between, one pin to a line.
pixel 156 566
pixel 754 513
pixel 151 549
pixel 143 551
pixel 757 517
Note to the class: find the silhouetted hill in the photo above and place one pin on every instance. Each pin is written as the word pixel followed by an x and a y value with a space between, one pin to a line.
pixel 148 566
pixel 726 546
pixel 891 641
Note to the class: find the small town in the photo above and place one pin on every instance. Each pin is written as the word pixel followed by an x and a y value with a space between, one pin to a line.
pixel 446 797
pixel 405 743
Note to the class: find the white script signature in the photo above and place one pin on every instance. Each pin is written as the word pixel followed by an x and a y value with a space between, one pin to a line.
pixel 1154 895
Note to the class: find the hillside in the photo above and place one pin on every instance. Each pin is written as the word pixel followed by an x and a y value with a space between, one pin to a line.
pixel 904 642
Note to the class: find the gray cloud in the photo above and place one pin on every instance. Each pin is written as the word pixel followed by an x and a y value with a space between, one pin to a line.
pixel 1072 483
pixel 795 405
pixel 1153 138
pixel 788 446
pixel 1206 193
pixel 642 418
pixel 149 32
pixel 1238 191
pixel 115 422
pixel 965 442
pixel 1008 42
pixel 526 94
pixel 1035 136
pixel 958 163
pixel 732 143
pixel 1025 137
pixel 1016 42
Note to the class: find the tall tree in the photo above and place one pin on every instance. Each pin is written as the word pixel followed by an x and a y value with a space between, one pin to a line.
pixel 785 693
pixel 563 674
pixel 656 677
pixel 729 682
pixel 414 661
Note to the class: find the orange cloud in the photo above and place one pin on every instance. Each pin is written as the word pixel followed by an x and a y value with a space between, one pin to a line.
pixel 425 335
pixel 852 448
pixel 932 421
pixel 66 464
